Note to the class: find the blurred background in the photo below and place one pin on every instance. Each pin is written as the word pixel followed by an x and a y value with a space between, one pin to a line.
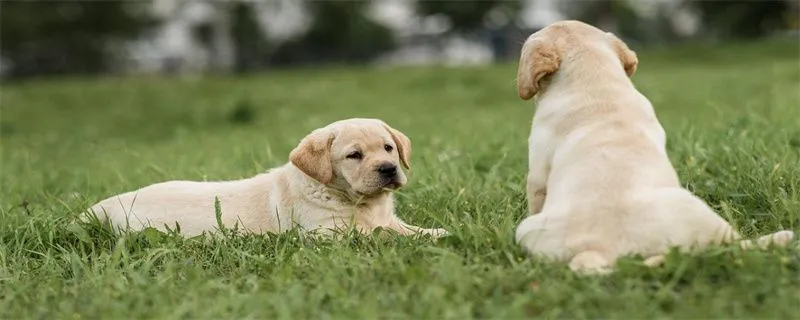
pixel 196 37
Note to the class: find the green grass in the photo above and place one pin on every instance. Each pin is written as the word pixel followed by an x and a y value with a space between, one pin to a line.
pixel 732 115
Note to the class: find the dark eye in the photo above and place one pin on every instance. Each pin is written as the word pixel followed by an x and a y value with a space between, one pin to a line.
pixel 388 148
pixel 355 155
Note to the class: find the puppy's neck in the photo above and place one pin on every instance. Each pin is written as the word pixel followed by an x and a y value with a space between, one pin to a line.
pixel 589 72
pixel 358 199
pixel 329 197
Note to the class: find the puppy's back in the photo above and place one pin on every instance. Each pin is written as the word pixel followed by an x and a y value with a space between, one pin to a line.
pixel 191 204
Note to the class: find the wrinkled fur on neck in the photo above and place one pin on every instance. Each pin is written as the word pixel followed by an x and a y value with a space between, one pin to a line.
pixel 331 196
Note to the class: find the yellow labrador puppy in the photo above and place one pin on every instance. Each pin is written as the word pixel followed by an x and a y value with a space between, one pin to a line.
pixel 600 184
pixel 340 176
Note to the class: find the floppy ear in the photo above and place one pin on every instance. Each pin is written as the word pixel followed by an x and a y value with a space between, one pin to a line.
pixel 403 145
pixel 538 59
pixel 313 156
pixel 626 55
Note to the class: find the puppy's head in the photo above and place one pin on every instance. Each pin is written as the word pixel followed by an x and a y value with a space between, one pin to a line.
pixel 361 157
pixel 546 50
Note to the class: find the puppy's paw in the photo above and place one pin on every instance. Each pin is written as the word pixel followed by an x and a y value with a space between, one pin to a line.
pixel 590 263
pixel 592 270
pixel 782 238
pixel 655 261
pixel 436 233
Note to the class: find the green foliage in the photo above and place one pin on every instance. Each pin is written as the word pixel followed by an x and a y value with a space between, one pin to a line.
pixel 720 18
pixel 46 37
pixel 733 133
pixel 744 19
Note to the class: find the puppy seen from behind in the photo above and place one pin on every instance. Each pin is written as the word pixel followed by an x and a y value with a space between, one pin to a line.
pixel 600 184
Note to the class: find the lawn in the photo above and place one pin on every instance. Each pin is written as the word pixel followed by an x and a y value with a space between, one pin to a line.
pixel 732 116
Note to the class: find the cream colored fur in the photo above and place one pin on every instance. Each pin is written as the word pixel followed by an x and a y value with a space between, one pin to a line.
pixel 600 185
pixel 324 187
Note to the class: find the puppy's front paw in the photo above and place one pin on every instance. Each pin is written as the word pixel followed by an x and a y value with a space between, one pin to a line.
pixel 591 263
pixel 655 261
pixel 782 238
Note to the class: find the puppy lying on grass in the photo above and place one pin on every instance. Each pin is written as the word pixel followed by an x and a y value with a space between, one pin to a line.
pixel 600 184
pixel 340 176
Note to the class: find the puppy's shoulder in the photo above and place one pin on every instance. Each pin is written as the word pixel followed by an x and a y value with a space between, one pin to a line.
pixel 282 176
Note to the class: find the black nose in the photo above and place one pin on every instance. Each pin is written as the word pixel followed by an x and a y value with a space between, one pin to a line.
pixel 387 170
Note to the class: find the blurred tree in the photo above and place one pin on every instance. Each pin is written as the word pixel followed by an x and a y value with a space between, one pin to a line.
pixel 465 16
pixel 743 18
pixel 485 20
pixel 65 36
pixel 250 42
pixel 622 18
pixel 608 15
pixel 340 32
